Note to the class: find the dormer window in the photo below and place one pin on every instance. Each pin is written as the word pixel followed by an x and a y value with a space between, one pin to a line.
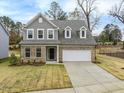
pixel 83 32
pixel 68 32
pixel 40 20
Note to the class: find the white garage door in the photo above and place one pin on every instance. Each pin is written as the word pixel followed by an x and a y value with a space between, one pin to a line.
pixel 76 55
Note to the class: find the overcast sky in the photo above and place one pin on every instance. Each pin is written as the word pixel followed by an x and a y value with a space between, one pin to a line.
pixel 23 10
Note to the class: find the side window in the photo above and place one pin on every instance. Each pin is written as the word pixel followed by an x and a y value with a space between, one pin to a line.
pixel 83 32
pixel 38 52
pixel 30 34
pixel 50 34
pixel 27 52
pixel 40 34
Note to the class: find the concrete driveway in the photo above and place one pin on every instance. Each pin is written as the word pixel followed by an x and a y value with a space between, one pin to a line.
pixel 87 77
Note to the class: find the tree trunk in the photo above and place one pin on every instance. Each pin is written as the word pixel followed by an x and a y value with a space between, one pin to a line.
pixel 88 22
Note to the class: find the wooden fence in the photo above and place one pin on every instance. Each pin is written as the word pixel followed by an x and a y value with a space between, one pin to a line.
pixel 111 51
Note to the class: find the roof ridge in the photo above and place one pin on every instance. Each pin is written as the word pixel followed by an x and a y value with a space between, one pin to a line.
pixel 67 20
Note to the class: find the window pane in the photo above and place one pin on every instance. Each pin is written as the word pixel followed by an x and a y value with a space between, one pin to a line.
pixel 27 52
pixel 51 36
pixel 38 52
pixel 67 33
pixel 83 34
pixel 40 33
pixel 30 34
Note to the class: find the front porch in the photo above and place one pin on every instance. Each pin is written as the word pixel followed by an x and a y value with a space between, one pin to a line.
pixel 44 53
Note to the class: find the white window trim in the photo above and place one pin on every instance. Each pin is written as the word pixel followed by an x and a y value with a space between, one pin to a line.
pixel 84 32
pixel 36 52
pixel 32 34
pixel 40 20
pixel 68 27
pixel 37 34
pixel 48 34
pixel 66 34
pixel 25 53
pixel 69 32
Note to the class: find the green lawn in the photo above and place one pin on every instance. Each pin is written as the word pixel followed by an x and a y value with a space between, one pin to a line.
pixel 112 64
pixel 15 79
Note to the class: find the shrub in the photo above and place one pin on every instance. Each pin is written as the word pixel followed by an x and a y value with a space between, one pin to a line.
pixel 39 62
pixel 13 59
pixel 123 45
pixel 17 46
pixel 114 42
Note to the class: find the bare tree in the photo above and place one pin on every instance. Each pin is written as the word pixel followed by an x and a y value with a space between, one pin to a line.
pixel 118 11
pixel 88 6
pixel 75 15
pixel 94 22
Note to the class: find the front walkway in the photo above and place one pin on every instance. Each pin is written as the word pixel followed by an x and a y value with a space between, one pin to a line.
pixel 87 77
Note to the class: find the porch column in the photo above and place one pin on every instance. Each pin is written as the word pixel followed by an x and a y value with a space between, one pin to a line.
pixel 58 53
pixel 22 53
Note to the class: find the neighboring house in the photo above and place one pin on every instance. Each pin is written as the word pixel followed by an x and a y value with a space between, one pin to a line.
pixel 57 41
pixel 4 42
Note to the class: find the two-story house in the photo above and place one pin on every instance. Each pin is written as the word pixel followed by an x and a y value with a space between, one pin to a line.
pixel 57 41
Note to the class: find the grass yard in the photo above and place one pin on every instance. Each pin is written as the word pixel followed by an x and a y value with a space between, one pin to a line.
pixel 14 79
pixel 112 64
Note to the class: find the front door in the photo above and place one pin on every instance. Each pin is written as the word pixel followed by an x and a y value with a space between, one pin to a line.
pixel 51 53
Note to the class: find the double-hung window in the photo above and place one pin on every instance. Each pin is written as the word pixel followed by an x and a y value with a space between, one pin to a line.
pixel 50 34
pixel 27 52
pixel 40 33
pixel 38 52
pixel 30 33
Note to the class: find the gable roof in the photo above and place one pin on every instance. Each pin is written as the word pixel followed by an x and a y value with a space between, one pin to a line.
pixel 6 31
pixel 68 28
pixel 37 16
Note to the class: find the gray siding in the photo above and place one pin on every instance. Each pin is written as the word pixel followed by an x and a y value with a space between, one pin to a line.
pixel 44 25
pixel 4 43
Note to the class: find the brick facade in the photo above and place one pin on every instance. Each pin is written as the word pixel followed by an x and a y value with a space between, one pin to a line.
pixel 33 53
